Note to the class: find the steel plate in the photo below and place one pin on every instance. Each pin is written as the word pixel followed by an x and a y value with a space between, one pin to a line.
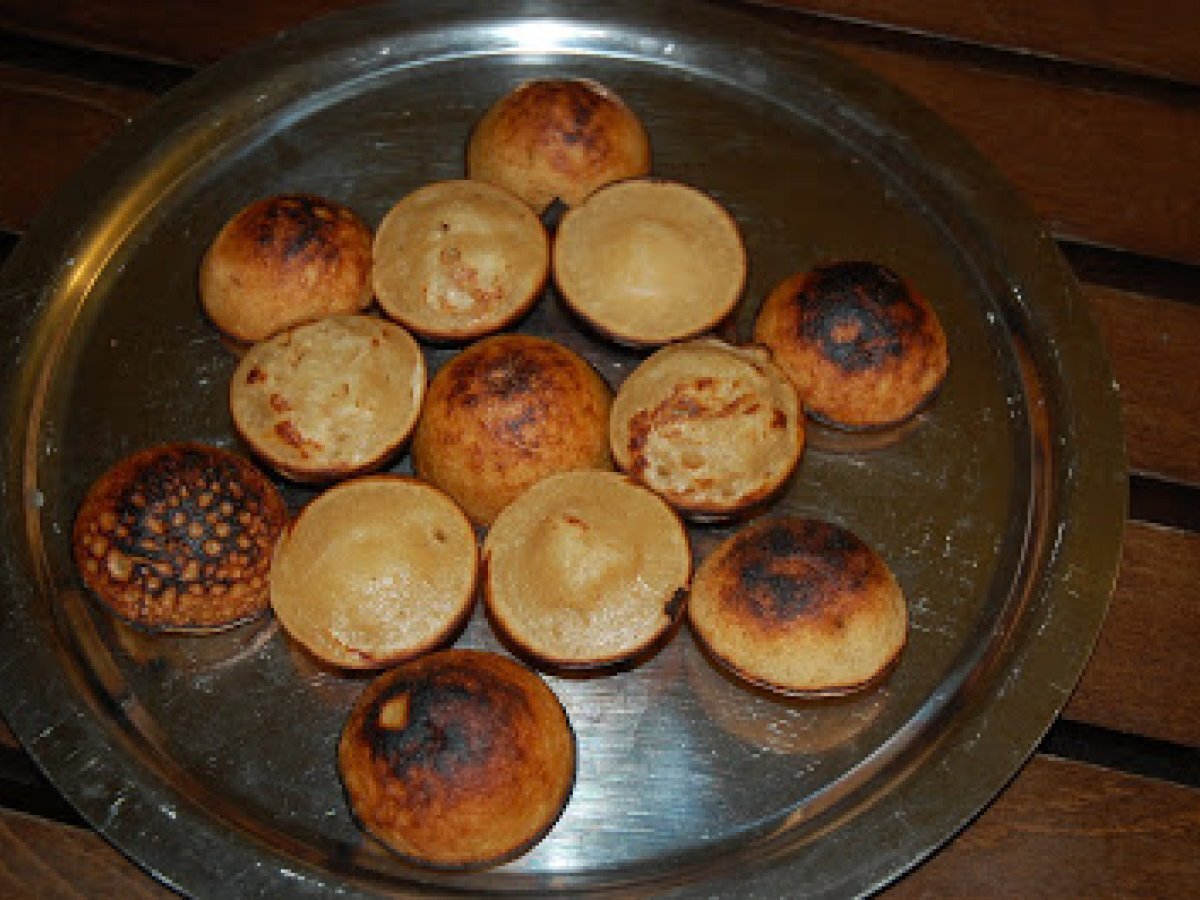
pixel 210 761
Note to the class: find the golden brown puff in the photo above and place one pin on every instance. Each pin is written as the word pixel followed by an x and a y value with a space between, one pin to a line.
pixel 328 399
pixel 179 538
pixel 458 759
pixel 506 412
pixel 648 261
pixel 557 138
pixel 375 570
pixel 284 260
pixel 586 569
pixel 799 606
pixel 713 428
pixel 864 348
pixel 456 260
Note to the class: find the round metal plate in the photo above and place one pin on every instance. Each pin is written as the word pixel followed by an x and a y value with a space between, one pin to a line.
pixel 210 761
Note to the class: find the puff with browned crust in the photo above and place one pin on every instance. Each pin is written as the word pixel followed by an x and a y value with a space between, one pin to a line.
pixel 557 139
pixel 647 261
pixel 458 759
pixel 506 412
pixel 586 569
pixel 375 570
pixel 456 260
pixel 712 428
pixel 179 537
pixel 331 398
pixel 863 346
pixel 284 260
pixel 799 606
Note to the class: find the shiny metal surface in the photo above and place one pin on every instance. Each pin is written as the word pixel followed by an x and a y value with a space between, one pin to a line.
pixel 211 760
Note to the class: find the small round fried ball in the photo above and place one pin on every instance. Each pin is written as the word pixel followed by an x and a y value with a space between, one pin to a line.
pixel 558 139
pixel 863 347
pixel 586 570
pixel 711 427
pixel 284 260
pixel 179 537
pixel 503 414
pixel 375 570
pixel 799 606
pixel 458 759
pixel 649 261
pixel 456 260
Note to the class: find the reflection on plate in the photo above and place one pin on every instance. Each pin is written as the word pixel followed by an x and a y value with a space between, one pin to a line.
pixel 783 725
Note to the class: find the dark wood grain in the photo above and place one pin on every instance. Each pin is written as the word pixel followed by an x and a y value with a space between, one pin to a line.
pixel 1103 168
pixel 1131 37
pixel 1154 346
pixel 1143 676
pixel 175 31
pixel 49 861
pixel 1065 829
pixel 61 121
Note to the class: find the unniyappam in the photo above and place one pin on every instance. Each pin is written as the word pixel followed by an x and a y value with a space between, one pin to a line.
pixel 557 139
pixel 458 759
pixel 713 428
pixel 374 571
pixel 800 606
pixel 179 537
pixel 864 348
pixel 586 569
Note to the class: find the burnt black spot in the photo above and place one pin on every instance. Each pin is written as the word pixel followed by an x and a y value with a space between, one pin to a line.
pixel 297 224
pixel 181 517
pixel 569 115
pixel 500 376
pixel 583 108
pixel 457 722
pixel 790 569
pixel 860 314
pixel 514 387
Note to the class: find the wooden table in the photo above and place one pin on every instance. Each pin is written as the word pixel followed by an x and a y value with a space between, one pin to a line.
pixel 1092 110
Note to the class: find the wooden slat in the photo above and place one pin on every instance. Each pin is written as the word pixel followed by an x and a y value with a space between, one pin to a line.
pixel 1103 168
pixel 61 122
pixel 1158 40
pixel 1065 829
pixel 1154 346
pixel 1062 829
pixel 1142 677
pixel 43 859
